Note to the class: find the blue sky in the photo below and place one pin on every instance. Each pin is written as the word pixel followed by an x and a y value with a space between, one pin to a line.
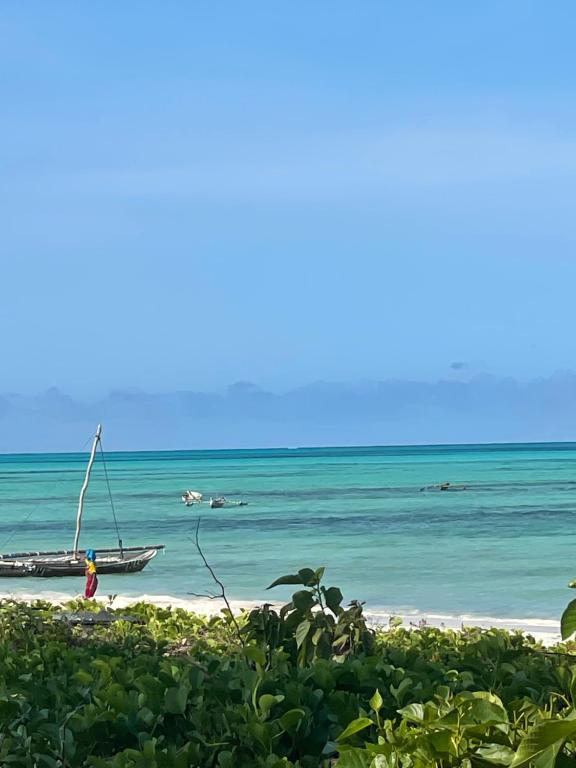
pixel 195 193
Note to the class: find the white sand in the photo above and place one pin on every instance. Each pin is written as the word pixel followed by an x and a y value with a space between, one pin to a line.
pixel 546 631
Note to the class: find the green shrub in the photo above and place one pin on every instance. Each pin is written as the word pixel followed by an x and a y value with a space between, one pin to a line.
pixel 179 690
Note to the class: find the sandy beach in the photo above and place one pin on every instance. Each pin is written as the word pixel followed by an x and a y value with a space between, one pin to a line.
pixel 546 631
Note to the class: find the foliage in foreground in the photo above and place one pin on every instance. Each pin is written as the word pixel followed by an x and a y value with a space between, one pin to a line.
pixel 305 687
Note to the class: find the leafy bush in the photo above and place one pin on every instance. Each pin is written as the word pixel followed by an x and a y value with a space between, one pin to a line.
pixel 179 690
pixel 313 625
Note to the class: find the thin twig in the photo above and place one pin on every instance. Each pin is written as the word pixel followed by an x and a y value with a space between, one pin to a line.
pixel 208 597
pixel 222 594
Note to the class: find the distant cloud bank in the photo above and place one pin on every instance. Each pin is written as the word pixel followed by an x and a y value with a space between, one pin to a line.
pixel 482 409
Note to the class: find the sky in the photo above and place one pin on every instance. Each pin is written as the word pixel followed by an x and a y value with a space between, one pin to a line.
pixel 194 194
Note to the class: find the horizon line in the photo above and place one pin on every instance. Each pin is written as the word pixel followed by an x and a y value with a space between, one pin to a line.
pixel 495 444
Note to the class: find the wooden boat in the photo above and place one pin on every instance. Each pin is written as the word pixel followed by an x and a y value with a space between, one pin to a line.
pixel 64 562
pixel 71 562
pixel 444 487
pixel 222 501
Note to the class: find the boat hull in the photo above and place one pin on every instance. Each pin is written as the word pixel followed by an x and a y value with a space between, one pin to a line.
pixel 60 566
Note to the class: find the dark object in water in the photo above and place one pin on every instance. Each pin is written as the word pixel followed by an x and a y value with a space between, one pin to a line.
pixel 444 487
pixel 222 501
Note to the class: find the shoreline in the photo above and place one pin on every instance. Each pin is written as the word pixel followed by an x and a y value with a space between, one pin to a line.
pixel 546 631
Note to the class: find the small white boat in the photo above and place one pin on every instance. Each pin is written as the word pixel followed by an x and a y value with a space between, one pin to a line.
pixel 191 497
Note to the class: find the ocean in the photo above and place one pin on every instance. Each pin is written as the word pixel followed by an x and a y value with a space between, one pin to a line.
pixel 503 548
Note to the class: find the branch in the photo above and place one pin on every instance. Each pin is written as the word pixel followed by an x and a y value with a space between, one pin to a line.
pixel 205 595
pixel 222 595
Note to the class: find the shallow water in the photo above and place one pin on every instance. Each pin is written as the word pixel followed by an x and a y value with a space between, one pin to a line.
pixel 502 548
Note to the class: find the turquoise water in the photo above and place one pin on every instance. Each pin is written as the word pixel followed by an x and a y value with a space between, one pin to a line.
pixel 503 548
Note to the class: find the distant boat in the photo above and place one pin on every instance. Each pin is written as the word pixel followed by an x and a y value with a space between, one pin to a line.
pixel 71 562
pixel 191 497
pixel 222 501
pixel 444 487
pixel 195 497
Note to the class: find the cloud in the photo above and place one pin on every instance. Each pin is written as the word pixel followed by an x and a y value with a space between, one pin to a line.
pixel 482 409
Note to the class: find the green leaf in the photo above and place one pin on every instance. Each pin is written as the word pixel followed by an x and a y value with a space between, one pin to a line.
pixel 376 701
pixel 333 597
pixel 443 692
pixel 176 699
pixel 291 578
pixel 303 600
pixel 226 759
pixel 267 701
pixel 317 636
pixel 307 577
pixel 496 754
pixel 323 675
pixel 302 632
pixel 482 712
pixel 568 620
pixel 549 758
pixel 255 654
pixel 82 677
pixel 354 727
pixel 413 713
pixel 550 733
pixel 403 687
pixel 319 573
pixel 292 718
pixel 354 758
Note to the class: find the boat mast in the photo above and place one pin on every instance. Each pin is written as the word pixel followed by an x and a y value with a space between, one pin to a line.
pixel 84 488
